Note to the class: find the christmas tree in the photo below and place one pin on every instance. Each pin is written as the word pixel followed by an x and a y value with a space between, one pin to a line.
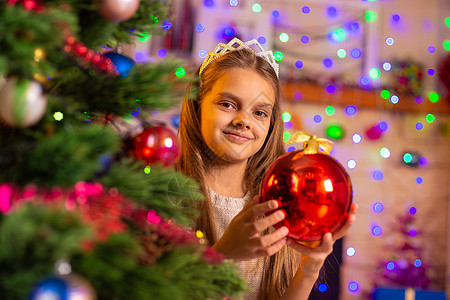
pixel 404 265
pixel 80 216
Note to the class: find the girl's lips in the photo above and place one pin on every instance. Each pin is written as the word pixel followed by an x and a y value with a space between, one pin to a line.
pixel 236 136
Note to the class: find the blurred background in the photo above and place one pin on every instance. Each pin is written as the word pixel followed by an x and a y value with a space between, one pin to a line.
pixel 373 76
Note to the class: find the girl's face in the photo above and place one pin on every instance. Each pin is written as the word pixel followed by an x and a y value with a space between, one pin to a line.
pixel 236 113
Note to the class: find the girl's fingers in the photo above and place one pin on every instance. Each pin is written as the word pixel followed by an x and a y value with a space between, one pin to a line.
pixel 325 247
pixel 271 238
pixel 256 210
pixel 262 224
pixel 269 251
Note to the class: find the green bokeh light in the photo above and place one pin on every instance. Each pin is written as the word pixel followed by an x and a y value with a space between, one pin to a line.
pixel 58 116
pixel 339 34
pixel 341 53
pixel 180 72
pixel 446 45
pixel 430 118
pixel 147 169
pixel 143 37
pixel 447 21
pixel 385 94
pixel 256 8
pixel 278 56
pixel 286 136
pixel 335 132
pixel 329 110
pixel 434 97
pixel 284 37
pixel 286 117
pixel 407 157
pixel 370 16
pixel 374 73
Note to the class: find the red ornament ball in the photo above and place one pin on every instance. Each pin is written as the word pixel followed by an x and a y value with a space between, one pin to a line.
pixel 156 144
pixel 314 190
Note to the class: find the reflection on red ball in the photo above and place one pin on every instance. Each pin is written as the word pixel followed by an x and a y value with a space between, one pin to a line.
pixel 314 190
pixel 156 144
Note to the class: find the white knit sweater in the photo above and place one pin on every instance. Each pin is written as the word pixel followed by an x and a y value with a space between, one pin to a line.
pixel 224 210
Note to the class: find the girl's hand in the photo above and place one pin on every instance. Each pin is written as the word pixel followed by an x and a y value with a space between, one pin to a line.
pixel 312 259
pixel 243 240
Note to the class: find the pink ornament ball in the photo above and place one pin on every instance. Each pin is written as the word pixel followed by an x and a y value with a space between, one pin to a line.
pixel 118 10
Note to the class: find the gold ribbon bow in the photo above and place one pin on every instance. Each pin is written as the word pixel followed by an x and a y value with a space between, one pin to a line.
pixel 311 143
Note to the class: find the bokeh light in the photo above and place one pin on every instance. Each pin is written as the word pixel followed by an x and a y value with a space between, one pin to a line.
pixel 353 286
pixel 256 8
pixel 299 64
pixel 275 14
pixel 419 125
pixel 322 287
pixel 394 99
pixel 351 251
pixel 262 40
pixel 330 110
pixel 351 163
pixel 387 66
pixel 374 73
pixel 356 138
pixel 350 110
pixel 413 210
pixel 370 16
pixel 278 56
pixel 376 230
pixel 58 116
pixel 385 153
pixel 419 180
pixel 430 72
pixel 199 28
pixel 304 39
pixel 377 175
pixel 330 88
pixel 317 118
pixel 431 49
pixel 434 97
pixel 430 118
pixel 385 94
pixel 341 53
pixel 390 41
pixel 286 117
pixel 327 62
pixel 377 207
pixel 335 132
pixel 356 53
pixel 284 37
pixel 180 72
pixel 306 9
pixel 395 17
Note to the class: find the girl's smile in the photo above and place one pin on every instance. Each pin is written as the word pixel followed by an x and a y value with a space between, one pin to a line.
pixel 236 114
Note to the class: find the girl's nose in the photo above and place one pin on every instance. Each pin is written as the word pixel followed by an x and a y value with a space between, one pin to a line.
pixel 242 120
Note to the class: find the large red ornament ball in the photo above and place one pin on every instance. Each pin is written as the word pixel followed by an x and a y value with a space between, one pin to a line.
pixel 156 144
pixel 314 190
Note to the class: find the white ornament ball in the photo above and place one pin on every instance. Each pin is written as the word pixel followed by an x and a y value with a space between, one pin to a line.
pixel 118 10
pixel 22 102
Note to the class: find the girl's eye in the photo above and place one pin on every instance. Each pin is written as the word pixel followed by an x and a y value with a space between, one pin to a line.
pixel 226 105
pixel 260 113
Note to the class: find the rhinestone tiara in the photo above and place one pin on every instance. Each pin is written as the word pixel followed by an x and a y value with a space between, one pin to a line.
pixel 223 49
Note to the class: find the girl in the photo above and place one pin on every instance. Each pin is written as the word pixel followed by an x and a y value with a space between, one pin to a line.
pixel 230 132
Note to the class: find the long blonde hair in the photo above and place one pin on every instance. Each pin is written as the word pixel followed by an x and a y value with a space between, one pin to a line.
pixel 195 156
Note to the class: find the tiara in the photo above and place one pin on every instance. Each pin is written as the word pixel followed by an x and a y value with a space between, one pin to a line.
pixel 223 49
